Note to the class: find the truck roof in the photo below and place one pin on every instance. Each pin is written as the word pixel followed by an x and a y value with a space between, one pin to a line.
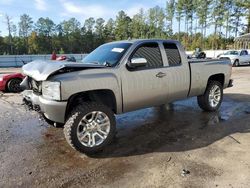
pixel 143 40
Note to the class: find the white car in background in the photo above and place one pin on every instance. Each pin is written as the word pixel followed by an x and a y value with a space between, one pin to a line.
pixel 237 57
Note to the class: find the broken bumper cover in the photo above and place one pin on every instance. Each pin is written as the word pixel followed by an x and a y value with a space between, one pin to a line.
pixel 53 110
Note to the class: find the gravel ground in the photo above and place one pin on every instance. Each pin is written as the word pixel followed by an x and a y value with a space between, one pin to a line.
pixel 168 146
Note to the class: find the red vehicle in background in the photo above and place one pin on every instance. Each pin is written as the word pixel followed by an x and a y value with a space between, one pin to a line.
pixel 11 82
pixel 62 58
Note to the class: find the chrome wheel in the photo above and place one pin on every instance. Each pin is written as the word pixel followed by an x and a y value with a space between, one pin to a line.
pixel 93 129
pixel 214 96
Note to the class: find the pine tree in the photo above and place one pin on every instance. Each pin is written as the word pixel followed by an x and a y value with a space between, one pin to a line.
pixel 179 16
pixel 203 13
pixel 170 12
pixel 123 26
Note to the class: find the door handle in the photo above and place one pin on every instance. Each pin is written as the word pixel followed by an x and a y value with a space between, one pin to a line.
pixel 160 74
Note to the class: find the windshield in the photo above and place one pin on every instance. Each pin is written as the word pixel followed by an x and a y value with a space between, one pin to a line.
pixel 232 53
pixel 107 54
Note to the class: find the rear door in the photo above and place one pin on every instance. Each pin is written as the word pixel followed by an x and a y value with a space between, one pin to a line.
pixel 145 86
pixel 177 81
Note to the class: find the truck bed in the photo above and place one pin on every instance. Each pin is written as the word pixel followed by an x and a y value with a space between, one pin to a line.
pixel 202 69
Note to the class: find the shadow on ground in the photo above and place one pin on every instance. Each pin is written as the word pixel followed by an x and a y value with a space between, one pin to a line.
pixel 180 127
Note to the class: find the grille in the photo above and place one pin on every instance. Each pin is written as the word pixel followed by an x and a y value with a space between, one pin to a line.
pixel 35 86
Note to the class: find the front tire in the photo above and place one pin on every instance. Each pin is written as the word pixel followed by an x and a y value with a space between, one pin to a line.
pixel 211 100
pixel 90 127
pixel 236 63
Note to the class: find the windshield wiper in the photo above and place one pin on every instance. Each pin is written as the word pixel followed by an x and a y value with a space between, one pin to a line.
pixel 94 62
pixel 106 63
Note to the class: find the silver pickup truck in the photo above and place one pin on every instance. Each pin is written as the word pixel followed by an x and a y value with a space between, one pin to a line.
pixel 119 77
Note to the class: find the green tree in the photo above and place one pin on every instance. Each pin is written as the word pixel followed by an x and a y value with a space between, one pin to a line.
pixel 218 19
pixel 3 46
pixel 170 12
pixel 203 13
pixel 88 34
pixel 156 23
pixel 236 17
pixel 10 28
pixel 123 26
pixel 45 26
pixel 99 31
pixel 179 16
pixel 33 43
pixel 25 27
pixel 227 15
pixel 89 24
pixel 245 4
pixel 138 25
pixel 72 32
pixel 109 30
pixel 99 27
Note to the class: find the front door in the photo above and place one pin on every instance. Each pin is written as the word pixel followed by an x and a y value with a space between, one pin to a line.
pixel 144 86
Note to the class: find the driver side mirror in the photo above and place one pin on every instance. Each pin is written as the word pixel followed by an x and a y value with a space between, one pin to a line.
pixel 137 62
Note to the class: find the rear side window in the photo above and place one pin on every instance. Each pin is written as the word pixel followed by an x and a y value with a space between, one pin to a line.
pixel 151 53
pixel 173 54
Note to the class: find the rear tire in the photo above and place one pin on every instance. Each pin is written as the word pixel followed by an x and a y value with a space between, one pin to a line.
pixel 88 122
pixel 212 98
pixel 13 85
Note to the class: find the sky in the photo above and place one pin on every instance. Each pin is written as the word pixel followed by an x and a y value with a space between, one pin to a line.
pixel 59 10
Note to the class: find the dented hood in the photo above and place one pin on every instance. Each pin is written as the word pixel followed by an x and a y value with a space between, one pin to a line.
pixel 40 70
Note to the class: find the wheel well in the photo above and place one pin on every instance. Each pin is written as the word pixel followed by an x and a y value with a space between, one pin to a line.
pixel 104 96
pixel 6 85
pixel 218 77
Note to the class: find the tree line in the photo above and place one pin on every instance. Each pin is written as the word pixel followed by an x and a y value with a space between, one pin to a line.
pixel 222 19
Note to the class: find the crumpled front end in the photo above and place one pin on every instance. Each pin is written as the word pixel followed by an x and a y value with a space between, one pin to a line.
pixel 40 70
pixel 53 110
pixel 33 98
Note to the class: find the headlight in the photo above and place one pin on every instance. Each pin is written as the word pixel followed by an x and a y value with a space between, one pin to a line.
pixel 51 90
pixel 1 79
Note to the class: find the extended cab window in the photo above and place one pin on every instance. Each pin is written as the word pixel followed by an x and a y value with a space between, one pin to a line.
pixel 151 52
pixel 173 54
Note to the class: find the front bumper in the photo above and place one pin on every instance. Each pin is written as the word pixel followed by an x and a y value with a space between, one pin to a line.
pixel 53 110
